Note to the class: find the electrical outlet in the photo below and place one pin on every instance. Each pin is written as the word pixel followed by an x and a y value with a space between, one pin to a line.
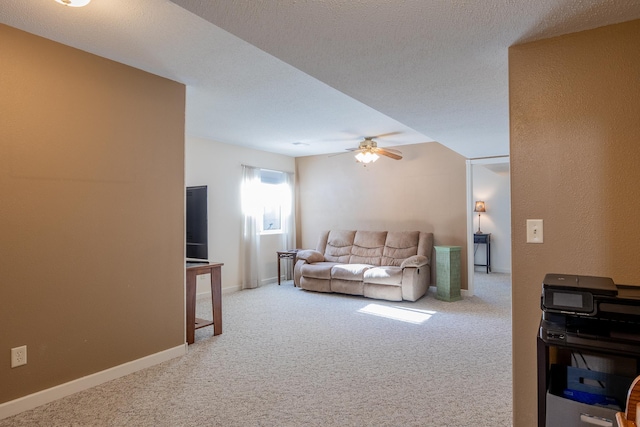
pixel 18 356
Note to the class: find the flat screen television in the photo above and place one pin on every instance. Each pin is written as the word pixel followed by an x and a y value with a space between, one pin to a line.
pixel 197 230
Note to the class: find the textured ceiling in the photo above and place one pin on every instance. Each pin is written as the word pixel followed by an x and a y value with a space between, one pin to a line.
pixel 303 77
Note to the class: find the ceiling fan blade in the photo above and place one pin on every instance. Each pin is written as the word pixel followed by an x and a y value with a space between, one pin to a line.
pixel 388 153
pixel 348 150
pixel 391 150
pixel 383 135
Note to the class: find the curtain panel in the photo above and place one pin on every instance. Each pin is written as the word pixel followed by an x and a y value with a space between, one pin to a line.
pixel 251 212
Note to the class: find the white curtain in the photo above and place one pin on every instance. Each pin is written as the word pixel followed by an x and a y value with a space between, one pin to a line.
pixel 252 213
pixel 288 220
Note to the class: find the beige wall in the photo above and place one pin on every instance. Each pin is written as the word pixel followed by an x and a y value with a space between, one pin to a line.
pixel 426 191
pixel 575 156
pixel 91 213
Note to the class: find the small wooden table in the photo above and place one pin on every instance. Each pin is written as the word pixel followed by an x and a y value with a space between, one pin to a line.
pixel 290 254
pixel 195 269
pixel 479 239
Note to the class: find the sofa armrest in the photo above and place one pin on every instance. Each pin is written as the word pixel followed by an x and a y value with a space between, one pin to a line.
pixel 415 261
pixel 310 256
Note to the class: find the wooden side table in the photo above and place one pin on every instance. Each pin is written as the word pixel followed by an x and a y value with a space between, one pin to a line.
pixel 193 323
pixel 290 254
pixel 448 272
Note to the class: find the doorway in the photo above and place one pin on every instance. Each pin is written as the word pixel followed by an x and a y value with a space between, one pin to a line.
pixel 488 180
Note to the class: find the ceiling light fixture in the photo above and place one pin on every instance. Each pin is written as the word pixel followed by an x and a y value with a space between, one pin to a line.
pixel 74 3
pixel 366 157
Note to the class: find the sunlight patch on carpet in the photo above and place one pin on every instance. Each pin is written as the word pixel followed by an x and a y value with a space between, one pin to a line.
pixel 403 314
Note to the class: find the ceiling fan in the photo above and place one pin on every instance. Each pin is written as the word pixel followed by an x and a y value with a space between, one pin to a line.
pixel 368 151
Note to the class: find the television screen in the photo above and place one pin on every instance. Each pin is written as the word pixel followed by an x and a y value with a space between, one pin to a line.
pixel 197 230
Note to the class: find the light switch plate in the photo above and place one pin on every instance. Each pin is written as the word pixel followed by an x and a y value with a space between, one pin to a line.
pixel 534 231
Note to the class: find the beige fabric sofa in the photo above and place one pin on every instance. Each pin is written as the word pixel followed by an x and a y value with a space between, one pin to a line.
pixel 388 265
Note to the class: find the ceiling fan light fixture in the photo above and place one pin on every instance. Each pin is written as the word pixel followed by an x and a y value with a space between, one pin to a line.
pixel 366 157
pixel 74 3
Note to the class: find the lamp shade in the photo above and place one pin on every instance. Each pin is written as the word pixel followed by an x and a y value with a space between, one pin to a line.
pixel 480 207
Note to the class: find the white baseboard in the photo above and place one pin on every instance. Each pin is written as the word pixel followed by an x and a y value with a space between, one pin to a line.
pixel 274 279
pixel 34 400
pixel 463 292
pixel 480 270
pixel 227 290
pixel 269 280
pixel 231 289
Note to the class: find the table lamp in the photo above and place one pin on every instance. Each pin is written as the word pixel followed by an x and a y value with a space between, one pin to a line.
pixel 480 207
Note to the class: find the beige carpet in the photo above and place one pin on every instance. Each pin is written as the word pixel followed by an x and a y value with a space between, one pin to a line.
pixel 288 357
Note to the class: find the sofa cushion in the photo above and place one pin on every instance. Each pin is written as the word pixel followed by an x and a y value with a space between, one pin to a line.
pixel 349 271
pixel 351 287
pixel 390 293
pixel 317 285
pixel 399 246
pixel 319 270
pixel 339 243
pixel 368 247
pixel 384 275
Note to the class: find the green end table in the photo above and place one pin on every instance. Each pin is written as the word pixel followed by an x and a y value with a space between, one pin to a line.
pixel 448 272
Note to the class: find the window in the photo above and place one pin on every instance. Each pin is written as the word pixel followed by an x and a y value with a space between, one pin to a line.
pixel 274 196
pixel 266 198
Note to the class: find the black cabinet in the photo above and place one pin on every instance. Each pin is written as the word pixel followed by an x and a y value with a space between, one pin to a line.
pixel 554 361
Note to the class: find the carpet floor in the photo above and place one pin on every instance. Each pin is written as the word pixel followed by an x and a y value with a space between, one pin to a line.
pixel 289 357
